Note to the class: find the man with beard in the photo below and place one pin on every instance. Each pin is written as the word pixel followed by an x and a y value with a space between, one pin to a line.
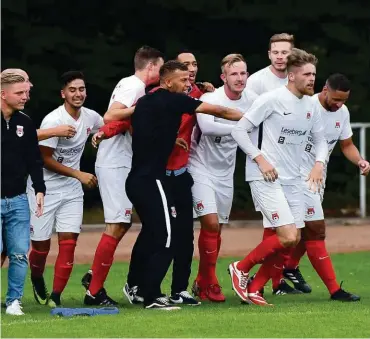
pixel 273 169
pixel 63 178
pixel 267 79
pixel 212 164
pixel 330 102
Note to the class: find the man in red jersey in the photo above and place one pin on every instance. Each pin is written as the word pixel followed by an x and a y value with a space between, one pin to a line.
pixel 181 182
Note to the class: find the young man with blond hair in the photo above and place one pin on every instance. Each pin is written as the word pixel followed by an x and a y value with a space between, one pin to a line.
pixel 273 170
pixel 212 164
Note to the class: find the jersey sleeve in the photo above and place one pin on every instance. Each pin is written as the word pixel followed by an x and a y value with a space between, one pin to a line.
pixel 254 85
pixel 186 104
pixel 98 122
pixel 260 110
pixel 347 129
pixel 125 95
pixel 49 122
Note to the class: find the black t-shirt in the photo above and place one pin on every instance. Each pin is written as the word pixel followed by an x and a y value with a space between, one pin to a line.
pixel 155 124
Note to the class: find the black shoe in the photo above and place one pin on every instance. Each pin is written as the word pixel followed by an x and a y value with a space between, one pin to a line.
pixel 262 290
pixel 296 278
pixel 161 303
pixel 132 294
pixel 342 295
pixel 183 298
pixel 54 300
pixel 40 291
pixel 99 299
pixel 285 288
pixel 86 279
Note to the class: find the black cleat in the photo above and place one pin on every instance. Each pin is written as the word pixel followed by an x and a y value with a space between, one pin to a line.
pixel 132 294
pixel 161 303
pixel 54 300
pixel 183 298
pixel 99 299
pixel 86 279
pixel 342 295
pixel 40 291
pixel 285 288
pixel 296 278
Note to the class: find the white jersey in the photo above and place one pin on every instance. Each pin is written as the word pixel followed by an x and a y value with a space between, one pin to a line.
pixel 214 155
pixel 336 125
pixel 67 151
pixel 285 122
pixel 264 81
pixel 117 151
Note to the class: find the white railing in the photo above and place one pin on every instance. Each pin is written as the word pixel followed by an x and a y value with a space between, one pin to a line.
pixel 362 126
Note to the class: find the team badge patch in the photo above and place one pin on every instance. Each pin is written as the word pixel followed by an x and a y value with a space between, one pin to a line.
pixel 20 131
pixel 31 229
pixel 88 131
pixel 199 206
pixel 310 211
pixel 275 216
pixel 308 116
pixel 337 124
pixel 128 212
pixel 173 212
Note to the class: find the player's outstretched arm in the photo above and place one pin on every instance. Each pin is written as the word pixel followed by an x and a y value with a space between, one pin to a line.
pixel 351 152
pixel 241 136
pixel 109 130
pixel 219 111
pixel 52 165
pixel 67 131
pixel 118 111
pixel 209 126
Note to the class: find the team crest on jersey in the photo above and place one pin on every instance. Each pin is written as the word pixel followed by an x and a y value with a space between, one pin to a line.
pixel 128 212
pixel 308 116
pixel 275 216
pixel 20 131
pixel 199 206
pixel 31 229
pixel 173 212
pixel 337 124
pixel 310 211
pixel 88 131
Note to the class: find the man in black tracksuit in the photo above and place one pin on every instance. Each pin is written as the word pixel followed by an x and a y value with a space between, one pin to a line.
pixel 155 124
pixel 20 157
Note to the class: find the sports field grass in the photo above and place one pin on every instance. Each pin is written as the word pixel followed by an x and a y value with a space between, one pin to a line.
pixel 299 316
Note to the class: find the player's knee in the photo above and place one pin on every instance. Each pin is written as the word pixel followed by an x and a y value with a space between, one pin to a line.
pixel 117 231
pixel 41 246
pixel 315 230
pixel 288 239
pixel 67 236
pixel 211 226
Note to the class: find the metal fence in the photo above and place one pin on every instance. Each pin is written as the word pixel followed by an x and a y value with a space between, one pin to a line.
pixel 362 126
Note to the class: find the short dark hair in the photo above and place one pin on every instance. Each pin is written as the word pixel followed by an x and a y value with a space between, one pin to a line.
pixel 338 82
pixel 170 67
pixel 146 54
pixel 69 76
pixel 182 51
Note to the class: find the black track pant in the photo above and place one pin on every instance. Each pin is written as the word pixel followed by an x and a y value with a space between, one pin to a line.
pixel 152 253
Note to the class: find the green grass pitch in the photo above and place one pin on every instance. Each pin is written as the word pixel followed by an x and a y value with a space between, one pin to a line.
pixel 301 316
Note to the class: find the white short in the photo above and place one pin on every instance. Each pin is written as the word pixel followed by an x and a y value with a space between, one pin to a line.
pixel 117 206
pixel 64 210
pixel 312 204
pixel 212 196
pixel 279 204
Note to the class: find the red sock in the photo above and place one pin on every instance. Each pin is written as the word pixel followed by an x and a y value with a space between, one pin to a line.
pixel 102 263
pixel 268 232
pixel 64 264
pixel 263 250
pixel 321 262
pixel 37 261
pixel 263 274
pixel 219 239
pixel 208 244
pixel 295 256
